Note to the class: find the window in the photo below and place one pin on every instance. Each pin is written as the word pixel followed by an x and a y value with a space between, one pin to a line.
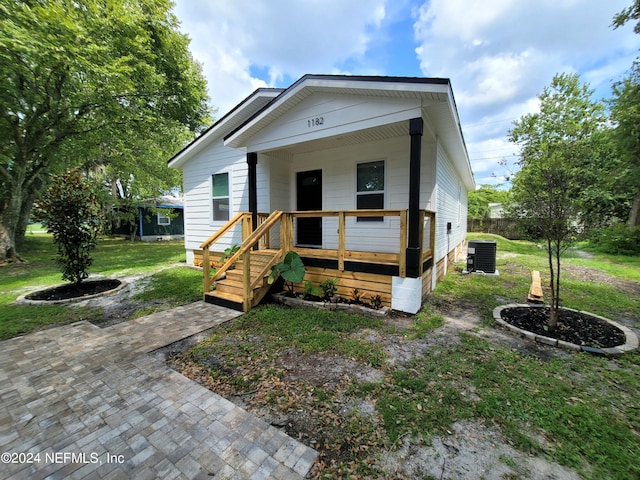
pixel 220 196
pixel 370 188
pixel 163 219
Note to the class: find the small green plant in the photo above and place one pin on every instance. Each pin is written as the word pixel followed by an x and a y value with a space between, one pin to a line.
pixel 329 288
pixel 376 302
pixel 290 268
pixel 228 252
pixel 309 290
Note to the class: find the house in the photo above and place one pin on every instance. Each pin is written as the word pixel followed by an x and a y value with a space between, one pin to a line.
pixel 365 177
pixel 162 219
pixel 496 210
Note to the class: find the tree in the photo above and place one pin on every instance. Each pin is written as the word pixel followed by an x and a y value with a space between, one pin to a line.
pixel 629 13
pixel 84 83
pixel 71 213
pixel 625 112
pixel 547 192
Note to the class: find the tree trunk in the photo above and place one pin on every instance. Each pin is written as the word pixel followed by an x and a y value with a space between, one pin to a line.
pixel 553 311
pixel 7 247
pixel 634 215
pixel 9 220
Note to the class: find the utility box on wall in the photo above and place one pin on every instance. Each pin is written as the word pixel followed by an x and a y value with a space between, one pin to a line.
pixel 481 257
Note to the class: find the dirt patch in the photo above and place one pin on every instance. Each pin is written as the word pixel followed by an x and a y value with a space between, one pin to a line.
pixel 310 397
pixel 469 451
pixel 585 274
pixel 71 291
pixel 325 370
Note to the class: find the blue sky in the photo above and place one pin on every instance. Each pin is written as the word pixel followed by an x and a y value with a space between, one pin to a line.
pixel 499 54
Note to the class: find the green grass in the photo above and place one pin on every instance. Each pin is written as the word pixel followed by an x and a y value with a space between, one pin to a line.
pixel 578 410
pixel 112 258
pixel 484 293
pixel 311 331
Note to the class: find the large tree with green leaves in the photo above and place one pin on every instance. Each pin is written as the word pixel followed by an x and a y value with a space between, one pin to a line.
pixel 625 112
pixel 91 83
pixel 555 145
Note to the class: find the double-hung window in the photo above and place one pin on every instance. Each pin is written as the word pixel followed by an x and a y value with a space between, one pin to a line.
pixel 370 188
pixel 220 196
pixel 163 219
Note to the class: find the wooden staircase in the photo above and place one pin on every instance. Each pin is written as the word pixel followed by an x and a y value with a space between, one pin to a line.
pixel 240 282
pixel 229 291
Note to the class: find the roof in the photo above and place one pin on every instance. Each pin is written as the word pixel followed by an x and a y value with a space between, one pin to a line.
pixel 236 116
pixel 265 105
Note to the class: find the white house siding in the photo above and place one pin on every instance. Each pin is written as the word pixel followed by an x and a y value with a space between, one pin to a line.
pixel 339 190
pixel 199 224
pixel 279 184
pixel 451 207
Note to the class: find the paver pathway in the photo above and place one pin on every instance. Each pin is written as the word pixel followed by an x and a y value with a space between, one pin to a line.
pixel 79 402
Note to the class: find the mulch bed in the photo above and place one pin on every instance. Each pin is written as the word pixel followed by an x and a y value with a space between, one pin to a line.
pixel 574 327
pixel 75 290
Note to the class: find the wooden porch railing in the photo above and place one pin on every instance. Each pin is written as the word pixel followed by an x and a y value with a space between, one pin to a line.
pixel 427 220
pixel 261 237
pixel 242 217
pixel 263 248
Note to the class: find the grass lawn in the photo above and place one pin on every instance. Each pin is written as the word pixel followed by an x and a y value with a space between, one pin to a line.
pixel 577 410
pixel 116 258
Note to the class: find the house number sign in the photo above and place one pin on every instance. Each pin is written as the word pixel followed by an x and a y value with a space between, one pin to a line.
pixel 315 122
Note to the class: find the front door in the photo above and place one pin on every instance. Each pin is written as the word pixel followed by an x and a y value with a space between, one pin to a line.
pixel 309 197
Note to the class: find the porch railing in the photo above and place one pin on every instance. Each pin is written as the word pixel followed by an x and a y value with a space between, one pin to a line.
pixel 341 254
pixel 254 242
pixel 272 245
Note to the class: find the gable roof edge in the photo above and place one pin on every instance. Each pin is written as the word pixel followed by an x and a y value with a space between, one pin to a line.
pixel 217 128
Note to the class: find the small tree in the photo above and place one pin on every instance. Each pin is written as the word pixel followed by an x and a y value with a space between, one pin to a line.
pixel 71 213
pixel 548 191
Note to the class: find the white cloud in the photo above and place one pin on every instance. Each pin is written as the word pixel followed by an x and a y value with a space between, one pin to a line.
pixel 278 38
pixel 502 51
pixel 500 54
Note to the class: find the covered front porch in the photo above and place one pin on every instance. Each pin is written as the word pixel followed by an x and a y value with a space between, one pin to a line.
pixel 400 277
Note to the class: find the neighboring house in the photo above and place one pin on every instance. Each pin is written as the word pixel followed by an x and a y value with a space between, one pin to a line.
pixel 162 221
pixel 496 210
pixel 323 152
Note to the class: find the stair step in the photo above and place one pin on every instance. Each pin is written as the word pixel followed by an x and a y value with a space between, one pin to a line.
pixel 229 287
pixel 236 276
pixel 235 302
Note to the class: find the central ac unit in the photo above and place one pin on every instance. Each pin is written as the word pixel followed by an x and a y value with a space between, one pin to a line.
pixel 481 257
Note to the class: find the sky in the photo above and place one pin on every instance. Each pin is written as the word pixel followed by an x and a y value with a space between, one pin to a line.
pixel 498 54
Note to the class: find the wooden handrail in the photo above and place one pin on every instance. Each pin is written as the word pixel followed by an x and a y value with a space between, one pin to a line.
pixel 347 213
pixel 248 243
pixel 227 226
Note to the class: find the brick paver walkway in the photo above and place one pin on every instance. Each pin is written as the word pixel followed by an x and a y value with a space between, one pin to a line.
pixel 81 402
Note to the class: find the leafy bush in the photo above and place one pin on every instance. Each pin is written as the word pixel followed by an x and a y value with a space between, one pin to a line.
pixel 618 239
pixel 329 288
pixel 71 213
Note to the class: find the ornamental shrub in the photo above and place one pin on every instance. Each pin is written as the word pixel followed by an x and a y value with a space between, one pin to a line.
pixel 71 212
